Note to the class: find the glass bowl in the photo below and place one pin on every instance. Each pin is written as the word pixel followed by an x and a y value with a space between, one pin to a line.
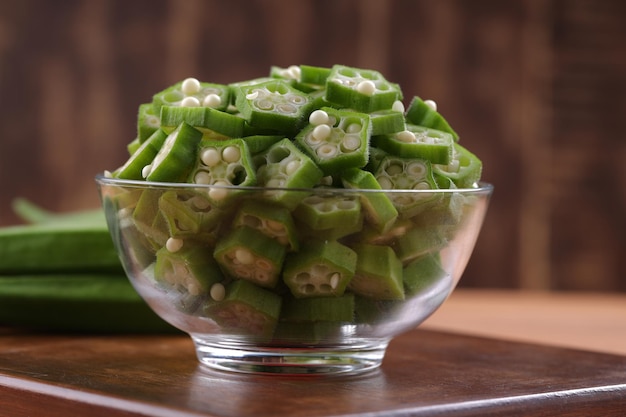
pixel 292 281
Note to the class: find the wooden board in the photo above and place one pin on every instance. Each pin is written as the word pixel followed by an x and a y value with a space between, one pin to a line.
pixel 424 373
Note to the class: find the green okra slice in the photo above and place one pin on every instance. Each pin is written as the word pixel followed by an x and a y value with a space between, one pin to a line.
pixel 148 122
pixel 214 124
pixel 314 75
pixel 316 309
pixel 273 104
pixel 260 143
pixel 272 220
pixel 223 163
pixel 360 89
pixel 189 214
pixel 385 122
pixel 247 309
pixel 187 267
pixel 132 146
pixel 176 157
pixel 328 211
pixel 398 175
pixel 246 253
pixel 336 139
pixel 422 273
pixel 421 113
pixel 378 208
pixel 322 268
pixel 420 142
pixel 464 169
pixel 420 241
pixel 148 220
pixel 371 235
pixel 191 92
pixel 376 156
pixel 283 165
pixel 378 273
pixel 339 232
pixel 142 157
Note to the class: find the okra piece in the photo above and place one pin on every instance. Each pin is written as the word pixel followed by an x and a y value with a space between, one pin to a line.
pixel 422 272
pixel 148 220
pixel 274 105
pixel 260 143
pixel 187 267
pixel 338 232
pixel 378 273
pixel 327 211
pixel 189 214
pixel 370 235
pixel 464 169
pixel 322 268
pixel 143 156
pixel 314 75
pixel 246 309
pixel 378 208
pixel 148 122
pixel 283 165
pixel 223 163
pixel 132 146
pixel 270 219
pixel 419 142
pixel 420 241
pixel 424 113
pixel 176 157
pixel 214 124
pixel 316 309
pixel 191 92
pixel 246 253
pixel 336 139
pixel 360 89
pixel 397 174
pixel 385 122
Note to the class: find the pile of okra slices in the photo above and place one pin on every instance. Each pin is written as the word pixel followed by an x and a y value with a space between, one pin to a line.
pixel 295 257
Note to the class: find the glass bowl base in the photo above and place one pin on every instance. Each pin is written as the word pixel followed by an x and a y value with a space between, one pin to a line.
pixel 350 360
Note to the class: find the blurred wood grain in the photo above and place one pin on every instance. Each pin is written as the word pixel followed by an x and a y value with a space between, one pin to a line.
pixel 536 88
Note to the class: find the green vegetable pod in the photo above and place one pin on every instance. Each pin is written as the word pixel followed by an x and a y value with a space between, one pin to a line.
pixel 316 309
pixel 270 219
pixel 420 142
pixel 142 157
pixel 193 93
pixel 273 105
pixel 246 309
pixel 214 124
pixel 336 139
pixel 464 170
pixel 314 75
pixel 190 215
pixel 147 218
pixel 421 273
pixel 176 157
pixel 148 122
pixel 248 254
pixel 360 89
pixel 420 241
pixel 322 268
pixel 385 122
pixel 327 211
pixel 398 174
pixel 424 113
pixel 378 273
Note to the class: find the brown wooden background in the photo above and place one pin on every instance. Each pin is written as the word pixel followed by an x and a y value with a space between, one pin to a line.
pixel 535 87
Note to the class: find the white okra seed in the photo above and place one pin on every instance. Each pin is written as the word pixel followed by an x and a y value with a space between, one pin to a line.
pixel 212 100
pixel 319 117
pixel 146 171
pixel 354 128
pixel 244 256
pixel 292 167
pixel 217 291
pixel 202 177
pixel 366 87
pixel 231 154
pixel 190 102
pixel 398 106
pixel 173 244
pixel 406 136
pixel 321 132
pixel 210 157
pixel 190 86
pixel 219 193
pixel 431 104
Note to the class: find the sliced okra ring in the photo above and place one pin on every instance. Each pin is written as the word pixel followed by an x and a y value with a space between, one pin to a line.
pixel 422 272
pixel 148 220
pixel 214 124
pixel 187 267
pixel 424 113
pixel 337 140
pixel 143 156
pixel 327 211
pixel 283 165
pixel 223 163
pixel 376 155
pixel 272 220
pixel 378 208
pixel 322 268
pixel 360 89
pixel 246 309
pixel 148 121
pixel 398 175
pixel 420 241
pixel 341 231
pixel 464 169
pixel 189 214
pixel 315 309
pixel 378 273
pixel 246 253
pixel 373 236
pixel 274 105
pixel 176 157
pixel 385 122
pixel 420 142
pixel 191 92
pixel 314 75
pixel 260 143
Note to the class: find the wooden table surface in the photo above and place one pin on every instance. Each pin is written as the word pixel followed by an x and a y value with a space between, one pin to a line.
pixel 433 370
